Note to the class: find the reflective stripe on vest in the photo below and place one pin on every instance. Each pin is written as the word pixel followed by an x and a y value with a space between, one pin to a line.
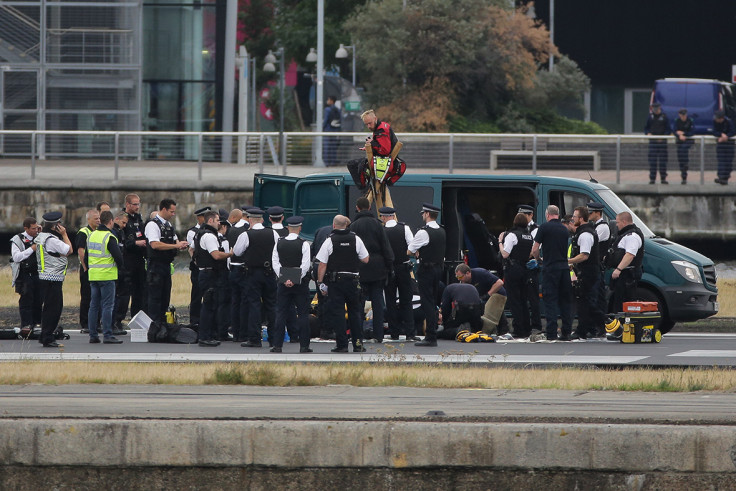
pixel 101 264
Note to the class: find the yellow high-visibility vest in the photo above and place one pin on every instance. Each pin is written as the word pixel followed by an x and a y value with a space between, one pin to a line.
pixel 101 264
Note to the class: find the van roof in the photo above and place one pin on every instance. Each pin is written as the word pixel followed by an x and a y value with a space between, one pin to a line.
pixel 423 178
pixel 692 80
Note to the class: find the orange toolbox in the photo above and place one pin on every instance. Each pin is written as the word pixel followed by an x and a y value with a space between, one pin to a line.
pixel 639 307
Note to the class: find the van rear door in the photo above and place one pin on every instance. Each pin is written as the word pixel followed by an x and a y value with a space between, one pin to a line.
pixel 318 200
pixel 270 190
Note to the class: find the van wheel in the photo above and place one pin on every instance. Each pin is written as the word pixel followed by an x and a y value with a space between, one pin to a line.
pixel 645 294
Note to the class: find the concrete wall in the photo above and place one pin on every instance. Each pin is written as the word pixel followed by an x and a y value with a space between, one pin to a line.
pixel 156 454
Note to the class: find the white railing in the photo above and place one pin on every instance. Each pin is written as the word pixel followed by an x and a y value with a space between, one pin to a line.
pixel 441 151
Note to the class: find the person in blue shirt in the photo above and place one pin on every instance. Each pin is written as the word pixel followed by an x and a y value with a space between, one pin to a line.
pixel 331 123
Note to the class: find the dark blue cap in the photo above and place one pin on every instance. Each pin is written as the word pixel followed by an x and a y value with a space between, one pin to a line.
pixel 430 207
pixel 202 211
pixel 526 209
pixel 52 216
pixel 387 211
pixel 275 211
pixel 245 207
pixel 294 221
pixel 224 215
pixel 595 206
pixel 254 211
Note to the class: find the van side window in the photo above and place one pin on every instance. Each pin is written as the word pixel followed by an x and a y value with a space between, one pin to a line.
pixel 566 201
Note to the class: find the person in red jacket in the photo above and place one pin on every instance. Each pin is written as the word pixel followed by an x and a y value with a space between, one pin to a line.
pixel 383 139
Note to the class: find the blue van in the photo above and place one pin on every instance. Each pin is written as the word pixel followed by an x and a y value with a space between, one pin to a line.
pixel 699 96
pixel 680 279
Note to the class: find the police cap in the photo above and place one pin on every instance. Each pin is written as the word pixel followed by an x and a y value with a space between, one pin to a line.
pixel 720 113
pixel 526 209
pixel 52 217
pixel 682 111
pixel 595 206
pixel 386 211
pixel 275 211
pixel 430 207
pixel 294 221
pixel 202 211
pixel 254 211
pixel 655 105
pixel 224 215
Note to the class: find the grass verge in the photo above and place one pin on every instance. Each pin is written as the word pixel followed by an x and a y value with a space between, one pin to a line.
pixel 367 375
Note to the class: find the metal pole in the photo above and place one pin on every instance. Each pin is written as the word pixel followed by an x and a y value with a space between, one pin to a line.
pixel 702 159
pixel 534 155
pixel 199 156
pixel 452 153
pixel 281 108
pixel 243 63
pixel 260 152
pixel 117 154
pixel 33 155
pixel 228 79
pixel 320 93
pixel 253 95
pixel 354 65
pixel 551 32
pixel 284 140
pixel 618 159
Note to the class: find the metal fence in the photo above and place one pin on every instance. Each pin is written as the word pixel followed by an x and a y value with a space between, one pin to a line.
pixel 442 151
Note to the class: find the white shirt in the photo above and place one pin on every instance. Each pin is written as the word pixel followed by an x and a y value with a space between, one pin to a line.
pixel 153 232
pixel 509 241
pixel 306 259
pixel 421 238
pixel 20 255
pixel 534 232
pixel 241 223
pixel 209 243
pixel 243 240
pixel 277 226
pixel 586 241
pixel 190 236
pixel 326 250
pixel 602 229
pixel 631 244
pixel 57 246
pixel 407 231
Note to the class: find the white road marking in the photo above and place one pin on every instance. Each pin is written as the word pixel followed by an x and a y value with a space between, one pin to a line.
pixel 706 353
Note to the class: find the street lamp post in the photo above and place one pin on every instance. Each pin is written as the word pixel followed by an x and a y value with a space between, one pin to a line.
pixel 270 59
pixel 342 53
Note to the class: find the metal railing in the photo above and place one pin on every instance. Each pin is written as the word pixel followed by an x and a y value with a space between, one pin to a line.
pixel 442 151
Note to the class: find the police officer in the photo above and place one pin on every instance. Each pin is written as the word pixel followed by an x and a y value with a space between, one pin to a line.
pixel 276 217
pixel 429 246
pixel 255 247
pixel 163 244
pixel 104 259
pixel 52 249
pixel 134 258
pixel 460 304
pixel 211 259
pixel 585 262
pixel 373 275
pixel 320 235
pixel 80 244
pixel 492 294
pixel 25 273
pixel 723 130
pixel 400 317
pixel 237 279
pixel 224 292
pixel 292 297
pixel 553 236
pixel 683 128
pixel 603 232
pixel 195 297
pixel 532 275
pixel 516 247
pixel 118 230
pixel 657 124
pixel 338 279
pixel 627 258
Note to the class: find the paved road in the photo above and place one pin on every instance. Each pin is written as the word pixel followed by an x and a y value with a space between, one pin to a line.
pixel 676 349
pixel 344 402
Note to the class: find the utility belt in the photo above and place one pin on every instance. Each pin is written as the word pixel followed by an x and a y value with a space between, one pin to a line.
pixel 467 308
pixel 403 265
pixel 334 276
pixel 508 262
pixel 423 264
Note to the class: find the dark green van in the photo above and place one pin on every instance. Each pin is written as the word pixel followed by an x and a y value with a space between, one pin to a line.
pixel 680 279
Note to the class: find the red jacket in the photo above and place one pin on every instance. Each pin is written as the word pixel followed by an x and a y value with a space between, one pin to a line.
pixel 384 139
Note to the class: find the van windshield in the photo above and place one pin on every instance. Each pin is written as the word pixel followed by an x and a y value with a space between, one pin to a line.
pixel 618 206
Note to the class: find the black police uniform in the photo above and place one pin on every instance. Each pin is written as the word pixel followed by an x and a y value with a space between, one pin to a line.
pixel 556 286
pixel 159 273
pixel 724 150
pixel 591 319
pixel 624 287
pixel 460 304
pixel 532 281
pixel 657 124
pixel 26 283
pixel 117 327
pixel 343 291
pixel 238 281
pixel 292 300
pixel 195 295
pixel 683 147
pixel 429 275
pixel 320 236
pixel 261 283
pixel 133 289
pixel 373 274
pixel 209 269
pixel 516 281
pixel 400 318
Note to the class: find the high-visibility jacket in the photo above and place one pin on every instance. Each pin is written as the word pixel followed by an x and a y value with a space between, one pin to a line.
pixel 102 266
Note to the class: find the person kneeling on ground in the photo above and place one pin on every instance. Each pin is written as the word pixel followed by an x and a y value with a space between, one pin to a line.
pixel 460 305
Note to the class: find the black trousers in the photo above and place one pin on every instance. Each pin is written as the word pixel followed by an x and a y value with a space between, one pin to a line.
pixel 239 303
pixel 724 153
pixel 532 283
pixel 261 301
pixel 52 298
pixel 85 297
pixel 591 319
pixel 372 291
pixel 657 161
pixel 460 315
pixel 207 284
pixel 400 317
pixel 159 290
pixel 683 157
pixel 223 305
pixel 517 294
pixel 428 281
pixel 29 302
pixel 292 302
pixel 624 288
pixel 342 293
pixel 195 297
pixel 557 290
pixel 133 289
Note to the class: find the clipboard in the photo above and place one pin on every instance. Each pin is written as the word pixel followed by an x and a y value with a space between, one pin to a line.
pixel 293 274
